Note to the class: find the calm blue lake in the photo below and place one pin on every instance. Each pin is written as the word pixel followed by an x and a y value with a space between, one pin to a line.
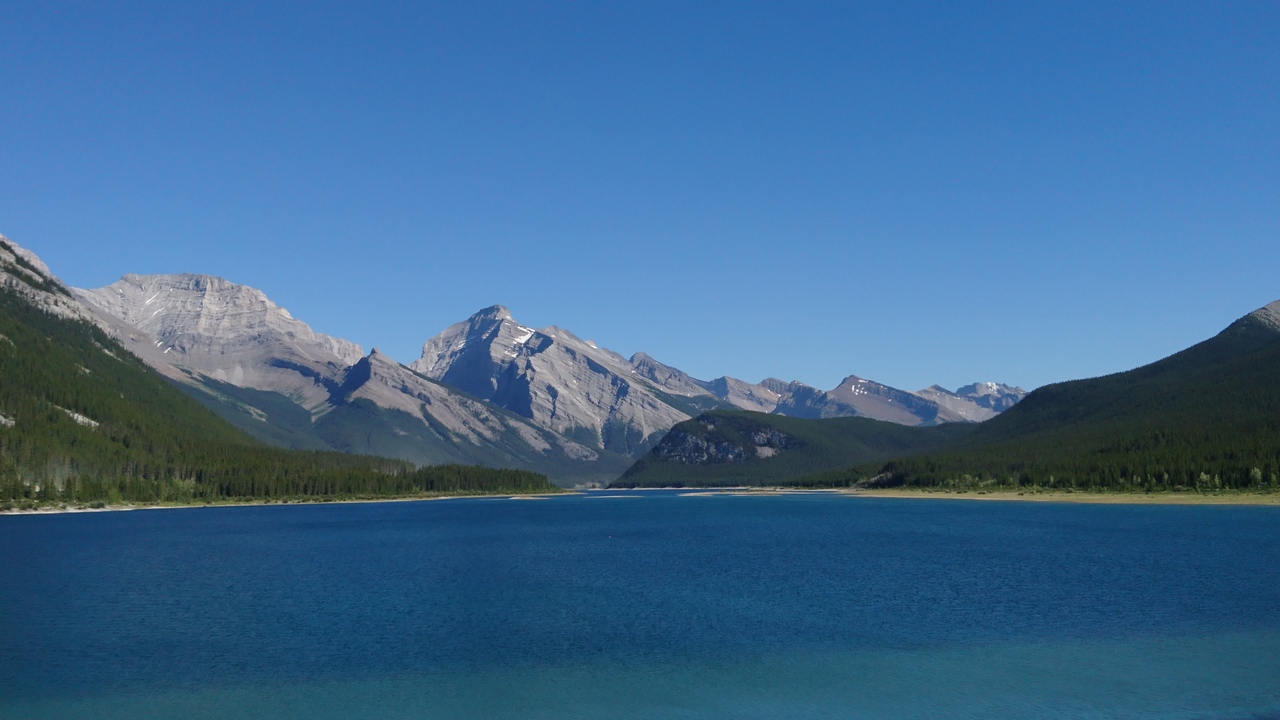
pixel 644 605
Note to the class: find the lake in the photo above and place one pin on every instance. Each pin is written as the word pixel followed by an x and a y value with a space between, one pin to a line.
pixel 644 605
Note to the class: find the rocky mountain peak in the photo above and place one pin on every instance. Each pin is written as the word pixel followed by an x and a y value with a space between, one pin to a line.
pixel 745 395
pixel 1268 315
pixel 666 377
pixel 985 389
pixel 559 381
pixel 775 385
pixel 977 401
pixel 490 316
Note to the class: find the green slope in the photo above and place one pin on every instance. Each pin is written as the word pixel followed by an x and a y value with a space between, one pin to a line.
pixel 149 441
pixel 1206 418
pixel 722 448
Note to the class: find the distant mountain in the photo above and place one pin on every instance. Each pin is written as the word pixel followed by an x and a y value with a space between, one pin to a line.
pixel 763 397
pixel 856 396
pixel 274 377
pixel 859 397
pixel 976 402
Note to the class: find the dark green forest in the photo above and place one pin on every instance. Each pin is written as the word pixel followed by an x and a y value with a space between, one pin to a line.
pixel 84 421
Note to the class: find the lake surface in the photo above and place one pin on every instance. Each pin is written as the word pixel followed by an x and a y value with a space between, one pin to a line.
pixel 644 605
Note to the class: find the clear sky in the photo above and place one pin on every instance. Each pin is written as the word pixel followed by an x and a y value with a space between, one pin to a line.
pixel 914 193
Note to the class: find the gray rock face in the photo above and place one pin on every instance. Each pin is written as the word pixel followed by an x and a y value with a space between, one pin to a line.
pixel 881 402
pixel 21 271
pixel 667 378
pixel 1268 315
pixel 560 381
pixel 758 398
pixel 856 396
pixel 225 331
pixel 388 384
pixel 976 402
pixel 708 447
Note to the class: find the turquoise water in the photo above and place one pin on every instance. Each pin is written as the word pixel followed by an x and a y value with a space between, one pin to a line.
pixel 648 605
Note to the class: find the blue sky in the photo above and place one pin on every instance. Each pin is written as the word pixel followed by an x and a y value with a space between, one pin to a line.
pixel 914 193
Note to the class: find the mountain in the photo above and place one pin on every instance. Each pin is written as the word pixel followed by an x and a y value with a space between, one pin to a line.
pixel 563 383
pixel 208 327
pixel 271 375
pixel 856 396
pixel 84 420
pixel 763 397
pixel 396 412
pixel 859 397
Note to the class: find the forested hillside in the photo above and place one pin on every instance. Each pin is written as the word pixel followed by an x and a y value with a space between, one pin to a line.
pixel 83 420
pixel 728 448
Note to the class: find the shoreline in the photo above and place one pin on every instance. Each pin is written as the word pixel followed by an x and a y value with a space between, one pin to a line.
pixel 1165 498
pixel 1048 496
pixel 1058 496
pixel 265 503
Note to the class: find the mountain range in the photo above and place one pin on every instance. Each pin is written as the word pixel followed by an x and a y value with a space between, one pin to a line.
pixel 486 391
